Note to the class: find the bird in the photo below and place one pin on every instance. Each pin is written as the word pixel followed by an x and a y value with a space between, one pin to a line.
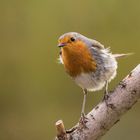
pixel 88 63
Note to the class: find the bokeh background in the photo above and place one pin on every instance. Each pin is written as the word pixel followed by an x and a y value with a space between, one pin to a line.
pixel 35 91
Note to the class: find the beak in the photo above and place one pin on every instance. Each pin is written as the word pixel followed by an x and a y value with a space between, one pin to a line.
pixel 61 45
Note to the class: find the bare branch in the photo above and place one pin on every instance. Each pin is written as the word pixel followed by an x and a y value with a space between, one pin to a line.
pixel 103 117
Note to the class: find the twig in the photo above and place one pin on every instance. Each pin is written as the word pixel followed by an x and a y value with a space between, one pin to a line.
pixel 61 132
pixel 103 116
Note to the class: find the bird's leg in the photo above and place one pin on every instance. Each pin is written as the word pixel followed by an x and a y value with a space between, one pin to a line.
pixel 84 101
pixel 106 93
pixel 106 88
pixel 106 96
pixel 83 118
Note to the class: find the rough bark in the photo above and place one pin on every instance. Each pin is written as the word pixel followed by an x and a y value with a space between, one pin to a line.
pixel 103 117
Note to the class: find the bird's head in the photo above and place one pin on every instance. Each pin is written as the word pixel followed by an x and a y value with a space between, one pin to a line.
pixel 76 54
pixel 71 39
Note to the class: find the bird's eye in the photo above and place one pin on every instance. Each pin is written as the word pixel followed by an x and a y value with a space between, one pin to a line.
pixel 72 39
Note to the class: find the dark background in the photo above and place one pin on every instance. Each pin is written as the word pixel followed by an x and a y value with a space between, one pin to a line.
pixel 35 91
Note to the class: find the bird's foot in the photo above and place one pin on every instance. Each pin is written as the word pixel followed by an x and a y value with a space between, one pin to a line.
pixel 83 120
pixel 105 99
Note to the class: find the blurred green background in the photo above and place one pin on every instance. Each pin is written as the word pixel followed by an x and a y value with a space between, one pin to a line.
pixel 35 91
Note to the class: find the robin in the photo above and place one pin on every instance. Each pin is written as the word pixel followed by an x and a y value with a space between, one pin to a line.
pixel 89 64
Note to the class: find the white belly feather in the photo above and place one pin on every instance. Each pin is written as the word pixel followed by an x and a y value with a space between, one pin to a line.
pixel 96 80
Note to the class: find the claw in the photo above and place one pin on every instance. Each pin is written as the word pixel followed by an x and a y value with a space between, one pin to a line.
pixel 83 120
pixel 105 98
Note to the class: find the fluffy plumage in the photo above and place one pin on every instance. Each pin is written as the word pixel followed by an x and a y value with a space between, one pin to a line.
pixel 87 61
pixel 89 64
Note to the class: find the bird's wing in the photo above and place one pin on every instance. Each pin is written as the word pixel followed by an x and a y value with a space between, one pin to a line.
pixel 97 44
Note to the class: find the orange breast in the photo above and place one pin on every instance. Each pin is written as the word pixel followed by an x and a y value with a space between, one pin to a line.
pixel 78 59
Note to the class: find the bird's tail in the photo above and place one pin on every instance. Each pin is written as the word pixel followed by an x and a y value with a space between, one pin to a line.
pixel 121 55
